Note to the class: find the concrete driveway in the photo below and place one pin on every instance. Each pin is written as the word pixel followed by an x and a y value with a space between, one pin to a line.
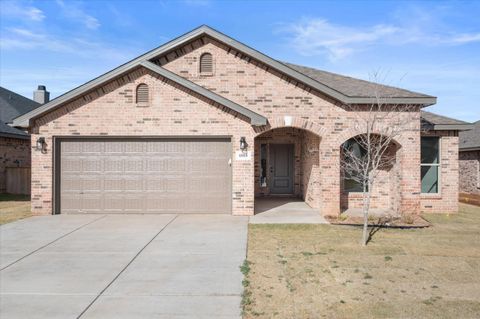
pixel 122 266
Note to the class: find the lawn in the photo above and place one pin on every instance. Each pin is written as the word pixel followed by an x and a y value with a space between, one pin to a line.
pixel 321 271
pixel 14 207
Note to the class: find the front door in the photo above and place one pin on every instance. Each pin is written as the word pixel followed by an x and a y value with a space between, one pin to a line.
pixel 281 169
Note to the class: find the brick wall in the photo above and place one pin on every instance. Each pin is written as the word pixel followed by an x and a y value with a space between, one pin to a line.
pixel 446 201
pixel 173 111
pixel 13 153
pixel 310 179
pixel 469 166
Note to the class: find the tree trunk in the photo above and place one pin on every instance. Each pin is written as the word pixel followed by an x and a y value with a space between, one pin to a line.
pixel 366 208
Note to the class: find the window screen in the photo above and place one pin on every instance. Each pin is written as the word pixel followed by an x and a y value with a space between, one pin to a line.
pixel 351 184
pixel 430 163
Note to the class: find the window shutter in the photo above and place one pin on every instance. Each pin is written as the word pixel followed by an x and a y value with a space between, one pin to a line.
pixel 206 63
pixel 142 93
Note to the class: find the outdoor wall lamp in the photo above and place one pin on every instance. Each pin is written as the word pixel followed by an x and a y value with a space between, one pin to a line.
pixel 41 145
pixel 243 143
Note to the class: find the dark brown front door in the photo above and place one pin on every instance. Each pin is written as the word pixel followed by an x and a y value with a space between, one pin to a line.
pixel 281 168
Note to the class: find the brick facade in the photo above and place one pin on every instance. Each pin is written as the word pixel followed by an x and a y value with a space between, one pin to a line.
pixel 318 127
pixel 446 201
pixel 13 153
pixel 469 166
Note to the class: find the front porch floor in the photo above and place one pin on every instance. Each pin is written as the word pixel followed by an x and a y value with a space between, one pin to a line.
pixel 284 210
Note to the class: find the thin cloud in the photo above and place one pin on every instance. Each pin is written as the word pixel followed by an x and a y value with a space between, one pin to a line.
pixel 317 36
pixel 25 39
pixel 73 11
pixel 12 9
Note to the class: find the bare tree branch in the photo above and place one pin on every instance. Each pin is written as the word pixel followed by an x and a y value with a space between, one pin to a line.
pixel 380 125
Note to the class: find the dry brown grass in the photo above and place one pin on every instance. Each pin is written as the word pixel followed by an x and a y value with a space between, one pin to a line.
pixel 13 207
pixel 321 271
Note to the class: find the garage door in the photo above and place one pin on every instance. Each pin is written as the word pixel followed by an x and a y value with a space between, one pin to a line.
pixel 144 176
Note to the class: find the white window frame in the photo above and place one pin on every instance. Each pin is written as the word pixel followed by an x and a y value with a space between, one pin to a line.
pixel 439 168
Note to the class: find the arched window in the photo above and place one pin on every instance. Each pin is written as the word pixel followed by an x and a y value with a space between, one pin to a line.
pixel 352 151
pixel 206 63
pixel 142 94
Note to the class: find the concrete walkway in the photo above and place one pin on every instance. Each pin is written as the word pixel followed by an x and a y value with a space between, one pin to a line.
pixel 282 210
pixel 122 266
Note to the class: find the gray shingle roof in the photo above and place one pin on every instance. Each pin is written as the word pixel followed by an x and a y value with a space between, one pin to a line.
pixel 353 87
pixel 13 105
pixel 470 139
pixel 439 122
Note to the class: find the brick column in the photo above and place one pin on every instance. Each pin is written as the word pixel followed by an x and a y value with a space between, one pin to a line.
pixel 329 179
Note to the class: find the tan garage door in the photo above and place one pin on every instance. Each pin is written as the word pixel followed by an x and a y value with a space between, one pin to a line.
pixel 144 176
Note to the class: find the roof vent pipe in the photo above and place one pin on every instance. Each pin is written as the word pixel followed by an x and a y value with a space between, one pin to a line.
pixel 41 95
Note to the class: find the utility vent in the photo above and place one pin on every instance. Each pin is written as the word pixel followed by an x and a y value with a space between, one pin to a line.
pixel 206 63
pixel 142 94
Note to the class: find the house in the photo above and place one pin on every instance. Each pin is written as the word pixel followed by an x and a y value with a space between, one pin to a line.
pixel 15 143
pixel 206 124
pixel 470 160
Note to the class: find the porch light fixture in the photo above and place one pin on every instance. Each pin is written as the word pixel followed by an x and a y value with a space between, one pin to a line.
pixel 41 145
pixel 243 143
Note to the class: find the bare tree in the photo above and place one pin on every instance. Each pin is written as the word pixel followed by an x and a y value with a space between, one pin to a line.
pixel 365 155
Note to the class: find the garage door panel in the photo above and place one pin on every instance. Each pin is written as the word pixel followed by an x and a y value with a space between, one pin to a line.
pixel 149 176
pixel 113 165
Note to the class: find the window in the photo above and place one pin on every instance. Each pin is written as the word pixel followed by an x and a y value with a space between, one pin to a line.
pixel 430 163
pixel 142 94
pixel 263 165
pixel 350 184
pixel 206 63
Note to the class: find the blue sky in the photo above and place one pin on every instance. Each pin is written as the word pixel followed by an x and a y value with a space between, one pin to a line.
pixel 431 47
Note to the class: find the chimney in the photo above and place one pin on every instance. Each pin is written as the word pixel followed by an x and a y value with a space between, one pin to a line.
pixel 41 95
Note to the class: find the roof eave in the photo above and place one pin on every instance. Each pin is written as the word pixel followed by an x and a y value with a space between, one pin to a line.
pixel 422 101
pixel 16 136
pixel 468 149
pixel 452 127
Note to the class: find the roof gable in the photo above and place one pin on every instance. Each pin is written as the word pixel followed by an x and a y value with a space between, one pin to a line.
pixel 24 121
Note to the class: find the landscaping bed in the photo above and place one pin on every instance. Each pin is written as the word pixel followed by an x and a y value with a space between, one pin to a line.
pixel 410 221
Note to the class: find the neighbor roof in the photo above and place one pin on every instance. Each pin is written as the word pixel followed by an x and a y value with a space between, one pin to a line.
pixel 339 93
pixel 432 121
pixel 470 140
pixel 13 105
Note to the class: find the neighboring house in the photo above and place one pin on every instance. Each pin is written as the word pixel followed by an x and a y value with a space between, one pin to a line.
pixel 470 160
pixel 14 143
pixel 205 124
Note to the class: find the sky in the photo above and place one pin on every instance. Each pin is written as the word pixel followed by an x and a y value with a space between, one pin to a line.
pixel 432 47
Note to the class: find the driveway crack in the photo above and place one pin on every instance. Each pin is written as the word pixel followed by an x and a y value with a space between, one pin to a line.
pixel 53 241
pixel 126 266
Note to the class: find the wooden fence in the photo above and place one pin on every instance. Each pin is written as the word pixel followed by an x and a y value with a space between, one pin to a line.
pixel 18 180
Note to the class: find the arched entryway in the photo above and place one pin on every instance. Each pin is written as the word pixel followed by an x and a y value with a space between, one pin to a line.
pixel 287 168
